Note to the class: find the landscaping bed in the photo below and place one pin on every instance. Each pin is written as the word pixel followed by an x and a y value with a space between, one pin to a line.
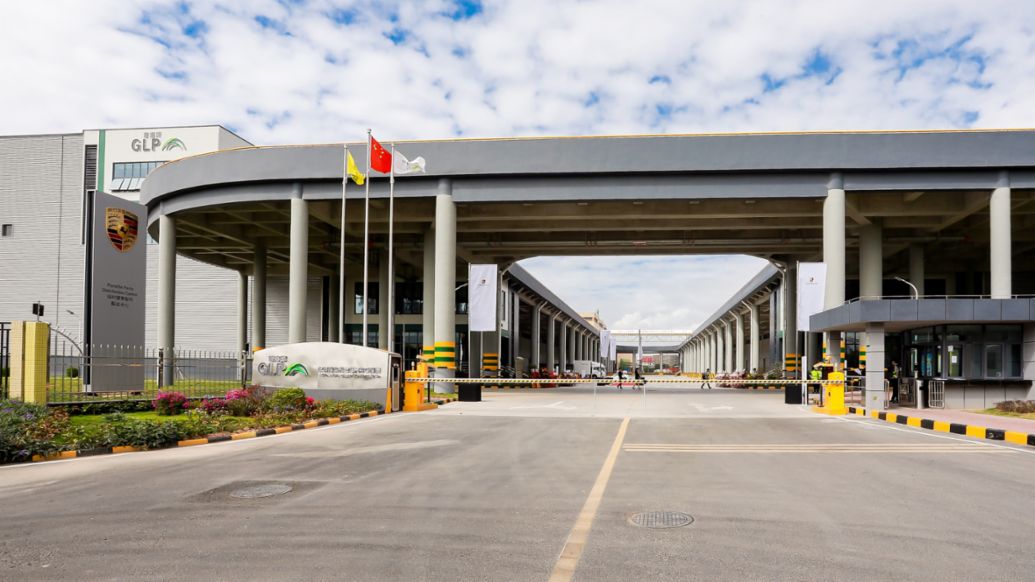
pixel 1013 409
pixel 31 430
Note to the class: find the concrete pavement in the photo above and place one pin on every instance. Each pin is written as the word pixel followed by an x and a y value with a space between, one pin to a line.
pixel 491 491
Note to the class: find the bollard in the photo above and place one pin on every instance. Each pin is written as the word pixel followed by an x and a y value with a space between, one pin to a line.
pixel 834 395
pixel 413 392
pixel 29 357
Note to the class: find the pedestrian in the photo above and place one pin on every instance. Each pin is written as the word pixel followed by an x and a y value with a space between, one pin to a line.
pixel 707 376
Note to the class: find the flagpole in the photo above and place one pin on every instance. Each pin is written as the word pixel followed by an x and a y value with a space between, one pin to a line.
pixel 341 248
pixel 366 241
pixel 391 266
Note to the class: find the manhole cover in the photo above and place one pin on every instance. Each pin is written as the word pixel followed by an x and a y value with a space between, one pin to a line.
pixel 660 519
pixel 261 490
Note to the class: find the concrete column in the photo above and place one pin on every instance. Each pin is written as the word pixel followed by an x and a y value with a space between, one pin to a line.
pixel 428 299
pixel 551 342
pixel 834 241
pixel 739 319
pixel 564 346
pixel 333 302
pixel 834 349
pixel 572 341
pixel 728 329
pixel 871 260
pixel 259 298
pixel 515 330
pixel 916 267
pixel 383 309
pixel 1001 240
pixel 756 341
pixel 717 349
pixel 242 311
pixel 298 271
pixel 537 339
pixel 789 290
pixel 875 363
pixel 167 295
pixel 445 281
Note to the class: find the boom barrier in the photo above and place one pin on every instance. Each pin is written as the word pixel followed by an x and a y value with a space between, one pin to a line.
pixel 608 381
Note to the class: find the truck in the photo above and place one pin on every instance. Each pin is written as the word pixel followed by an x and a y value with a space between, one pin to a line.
pixel 329 370
pixel 588 369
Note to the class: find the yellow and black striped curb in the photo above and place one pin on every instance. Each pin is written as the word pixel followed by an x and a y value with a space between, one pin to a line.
pixel 980 432
pixel 215 438
pixel 769 384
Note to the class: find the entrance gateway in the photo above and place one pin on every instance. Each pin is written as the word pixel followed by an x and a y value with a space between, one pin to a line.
pixel 936 208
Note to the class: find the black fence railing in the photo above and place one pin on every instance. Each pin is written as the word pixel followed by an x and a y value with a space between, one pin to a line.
pixel 92 373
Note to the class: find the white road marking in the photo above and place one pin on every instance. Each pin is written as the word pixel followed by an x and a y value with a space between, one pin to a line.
pixel 927 432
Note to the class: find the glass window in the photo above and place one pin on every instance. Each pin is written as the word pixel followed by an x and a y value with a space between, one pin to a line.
pixel 994 361
pixel 372 291
pixel 461 300
pixel 955 353
pixel 963 333
pixel 1013 360
pixel 972 364
pixel 409 298
pixel 1003 333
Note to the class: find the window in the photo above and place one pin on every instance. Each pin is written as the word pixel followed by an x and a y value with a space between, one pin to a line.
pixel 354 331
pixel 130 175
pixel 5 230
pixel 373 287
pixel 409 298
pixel 994 361
pixel 461 300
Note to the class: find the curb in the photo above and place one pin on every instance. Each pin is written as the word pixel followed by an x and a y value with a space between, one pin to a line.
pixel 980 432
pixel 216 438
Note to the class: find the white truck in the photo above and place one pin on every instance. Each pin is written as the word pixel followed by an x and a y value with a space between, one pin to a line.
pixel 588 369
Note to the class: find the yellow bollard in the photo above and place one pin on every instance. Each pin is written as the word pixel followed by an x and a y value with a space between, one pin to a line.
pixel 30 342
pixel 834 395
pixel 414 392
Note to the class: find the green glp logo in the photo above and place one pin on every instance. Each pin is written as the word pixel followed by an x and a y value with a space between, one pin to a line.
pixel 174 143
pixel 296 370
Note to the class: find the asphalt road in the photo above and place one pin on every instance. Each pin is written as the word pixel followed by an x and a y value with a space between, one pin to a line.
pixel 498 490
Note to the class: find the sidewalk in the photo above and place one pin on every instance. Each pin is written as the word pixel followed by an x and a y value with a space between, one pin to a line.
pixel 970 418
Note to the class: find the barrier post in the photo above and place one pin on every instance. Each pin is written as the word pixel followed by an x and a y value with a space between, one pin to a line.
pixel 414 392
pixel 834 395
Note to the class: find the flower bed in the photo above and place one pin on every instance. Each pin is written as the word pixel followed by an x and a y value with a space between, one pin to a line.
pixel 28 430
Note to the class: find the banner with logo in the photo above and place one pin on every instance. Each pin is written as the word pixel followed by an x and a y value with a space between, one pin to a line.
pixel 812 285
pixel 481 297
pixel 116 282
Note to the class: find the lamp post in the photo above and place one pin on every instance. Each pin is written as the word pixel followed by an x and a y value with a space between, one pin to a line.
pixel 916 293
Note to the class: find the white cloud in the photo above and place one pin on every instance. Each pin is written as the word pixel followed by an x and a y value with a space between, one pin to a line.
pixel 529 67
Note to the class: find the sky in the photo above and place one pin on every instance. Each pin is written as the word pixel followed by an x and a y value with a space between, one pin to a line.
pixel 312 71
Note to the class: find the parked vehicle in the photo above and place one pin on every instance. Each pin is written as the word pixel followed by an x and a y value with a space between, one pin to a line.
pixel 588 369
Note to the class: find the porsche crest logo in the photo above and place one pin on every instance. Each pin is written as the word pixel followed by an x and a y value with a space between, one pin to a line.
pixel 122 228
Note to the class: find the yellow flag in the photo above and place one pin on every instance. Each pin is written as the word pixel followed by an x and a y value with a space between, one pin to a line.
pixel 352 171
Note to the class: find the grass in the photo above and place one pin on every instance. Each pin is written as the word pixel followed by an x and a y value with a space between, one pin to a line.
pixel 997 412
pixel 98 419
pixel 71 390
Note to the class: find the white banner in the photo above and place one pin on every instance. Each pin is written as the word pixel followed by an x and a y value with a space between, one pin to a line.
pixel 614 348
pixel 605 343
pixel 481 297
pixel 812 285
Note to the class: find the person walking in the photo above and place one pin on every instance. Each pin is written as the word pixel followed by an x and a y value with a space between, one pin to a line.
pixel 707 376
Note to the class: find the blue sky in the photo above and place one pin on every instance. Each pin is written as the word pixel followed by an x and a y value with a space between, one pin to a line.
pixel 304 71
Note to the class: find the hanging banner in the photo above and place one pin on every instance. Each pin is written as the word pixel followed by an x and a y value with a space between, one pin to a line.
pixel 605 343
pixel 482 297
pixel 614 348
pixel 812 285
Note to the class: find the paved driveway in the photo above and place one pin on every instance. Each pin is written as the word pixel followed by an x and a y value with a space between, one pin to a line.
pixel 500 490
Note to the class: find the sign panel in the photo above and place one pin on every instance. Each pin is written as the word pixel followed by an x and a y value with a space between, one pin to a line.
pixel 326 370
pixel 116 285
pixel 812 285
pixel 481 292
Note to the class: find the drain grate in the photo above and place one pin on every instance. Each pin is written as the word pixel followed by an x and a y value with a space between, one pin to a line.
pixel 660 519
pixel 260 490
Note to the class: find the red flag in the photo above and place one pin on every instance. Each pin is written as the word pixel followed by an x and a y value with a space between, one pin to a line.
pixel 380 159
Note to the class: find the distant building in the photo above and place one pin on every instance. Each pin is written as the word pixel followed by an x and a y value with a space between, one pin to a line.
pixel 593 318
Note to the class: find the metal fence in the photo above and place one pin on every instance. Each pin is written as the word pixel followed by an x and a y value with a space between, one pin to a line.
pixel 92 373
pixel 5 358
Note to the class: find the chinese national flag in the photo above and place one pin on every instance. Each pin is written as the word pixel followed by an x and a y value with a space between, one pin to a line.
pixel 380 159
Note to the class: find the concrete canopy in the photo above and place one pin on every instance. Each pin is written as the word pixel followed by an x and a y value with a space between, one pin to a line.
pixel 757 194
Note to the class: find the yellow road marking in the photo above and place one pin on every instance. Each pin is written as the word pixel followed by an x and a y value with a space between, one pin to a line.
pixel 818 448
pixel 564 569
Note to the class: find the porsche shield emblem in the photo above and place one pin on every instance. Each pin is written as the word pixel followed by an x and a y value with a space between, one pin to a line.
pixel 122 228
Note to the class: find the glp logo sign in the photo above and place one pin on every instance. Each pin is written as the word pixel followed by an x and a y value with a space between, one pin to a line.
pixel 152 142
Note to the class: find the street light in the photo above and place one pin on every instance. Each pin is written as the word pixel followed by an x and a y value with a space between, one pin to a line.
pixel 916 292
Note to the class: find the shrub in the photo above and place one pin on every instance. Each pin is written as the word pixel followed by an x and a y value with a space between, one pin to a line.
pixel 286 399
pixel 1017 406
pixel 29 429
pixel 215 406
pixel 243 402
pixel 169 403
pixel 71 372
pixel 105 407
